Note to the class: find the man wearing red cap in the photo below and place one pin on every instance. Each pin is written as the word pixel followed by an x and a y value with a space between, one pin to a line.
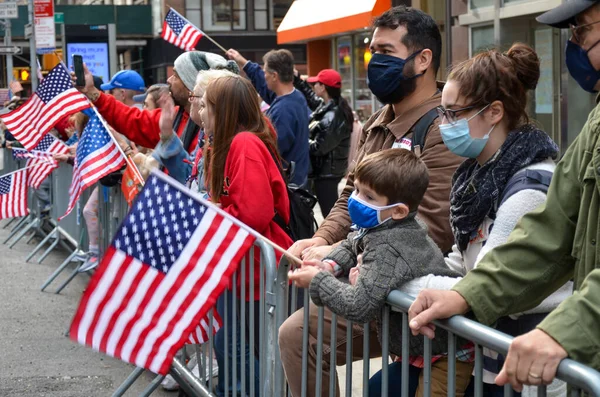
pixel 330 127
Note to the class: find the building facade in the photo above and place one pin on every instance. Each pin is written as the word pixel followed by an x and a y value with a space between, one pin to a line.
pixel 246 25
pixel 338 37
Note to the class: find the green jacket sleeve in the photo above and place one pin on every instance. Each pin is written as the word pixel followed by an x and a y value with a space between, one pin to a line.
pixel 536 260
pixel 574 324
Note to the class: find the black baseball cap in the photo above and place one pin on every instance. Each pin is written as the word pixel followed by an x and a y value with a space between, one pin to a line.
pixel 564 15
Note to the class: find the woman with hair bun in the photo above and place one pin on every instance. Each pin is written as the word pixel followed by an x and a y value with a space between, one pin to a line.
pixel 508 167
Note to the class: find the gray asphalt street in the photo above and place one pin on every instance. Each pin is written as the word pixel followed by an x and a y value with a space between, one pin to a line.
pixel 36 358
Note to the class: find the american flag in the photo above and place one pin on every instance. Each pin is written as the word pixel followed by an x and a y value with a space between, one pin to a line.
pixel 43 161
pixel 97 156
pixel 173 255
pixel 180 32
pixel 13 194
pixel 54 99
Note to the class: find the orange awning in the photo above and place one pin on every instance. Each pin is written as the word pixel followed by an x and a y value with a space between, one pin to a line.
pixel 311 19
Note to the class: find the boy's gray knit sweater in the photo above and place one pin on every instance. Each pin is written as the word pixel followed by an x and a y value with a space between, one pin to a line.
pixel 393 253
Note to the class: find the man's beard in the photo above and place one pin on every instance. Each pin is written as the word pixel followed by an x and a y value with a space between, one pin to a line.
pixel 405 87
pixel 181 102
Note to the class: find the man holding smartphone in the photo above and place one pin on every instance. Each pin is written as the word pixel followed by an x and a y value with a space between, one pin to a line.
pixel 141 126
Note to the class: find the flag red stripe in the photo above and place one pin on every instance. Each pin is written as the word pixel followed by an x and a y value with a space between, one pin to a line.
pixel 93 284
pixel 109 293
pixel 123 343
pixel 193 293
pixel 206 238
pixel 133 285
pixel 149 280
pixel 186 35
pixel 207 296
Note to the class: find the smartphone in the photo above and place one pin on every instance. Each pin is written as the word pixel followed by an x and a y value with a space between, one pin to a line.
pixel 78 67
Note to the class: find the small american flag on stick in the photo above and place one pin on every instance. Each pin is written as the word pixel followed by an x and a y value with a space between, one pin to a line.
pixel 42 158
pixel 13 194
pixel 173 255
pixel 55 98
pixel 97 156
pixel 180 32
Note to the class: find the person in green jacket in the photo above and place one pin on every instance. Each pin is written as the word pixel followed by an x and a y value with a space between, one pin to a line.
pixel 551 245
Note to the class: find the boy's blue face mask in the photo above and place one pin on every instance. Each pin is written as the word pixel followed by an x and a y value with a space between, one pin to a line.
pixel 365 215
pixel 580 67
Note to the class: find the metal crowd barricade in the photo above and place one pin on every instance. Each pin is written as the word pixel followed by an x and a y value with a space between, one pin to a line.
pixel 112 209
pixel 70 232
pixel 579 377
pixel 247 325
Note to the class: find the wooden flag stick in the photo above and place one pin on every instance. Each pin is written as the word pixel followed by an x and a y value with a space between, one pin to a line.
pixel 215 43
pixel 26 168
pixel 106 126
pixel 206 203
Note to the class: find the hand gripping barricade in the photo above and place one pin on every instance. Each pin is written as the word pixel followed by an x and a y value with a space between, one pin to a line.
pixel 579 377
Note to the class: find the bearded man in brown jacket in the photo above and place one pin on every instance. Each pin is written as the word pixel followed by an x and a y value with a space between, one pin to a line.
pixel 406 49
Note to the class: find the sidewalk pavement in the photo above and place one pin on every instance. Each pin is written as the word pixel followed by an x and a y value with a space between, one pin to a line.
pixel 36 358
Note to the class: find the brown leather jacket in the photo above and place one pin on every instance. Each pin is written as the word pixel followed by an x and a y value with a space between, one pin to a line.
pixel 380 132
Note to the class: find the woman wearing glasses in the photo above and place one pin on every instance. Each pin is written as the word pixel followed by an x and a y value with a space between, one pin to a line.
pixel 509 163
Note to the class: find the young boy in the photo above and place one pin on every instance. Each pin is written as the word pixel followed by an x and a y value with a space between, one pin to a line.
pixel 395 247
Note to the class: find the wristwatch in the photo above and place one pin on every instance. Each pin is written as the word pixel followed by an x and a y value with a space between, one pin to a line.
pixel 337 269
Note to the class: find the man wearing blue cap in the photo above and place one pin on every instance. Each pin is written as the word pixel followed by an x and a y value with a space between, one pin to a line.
pixel 557 242
pixel 124 85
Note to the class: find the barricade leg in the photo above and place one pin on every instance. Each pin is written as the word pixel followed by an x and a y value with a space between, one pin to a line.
pixel 19 224
pixel 23 232
pixel 68 280
pixel 187 381
pixel 41 244
pixel 10 221
pixel 52 246
pixel 23 223
pixel 128 382
pixel 59 270
pixel 152 386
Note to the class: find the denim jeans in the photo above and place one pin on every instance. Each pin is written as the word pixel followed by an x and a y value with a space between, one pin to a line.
pixel 395 381
pixel 222 350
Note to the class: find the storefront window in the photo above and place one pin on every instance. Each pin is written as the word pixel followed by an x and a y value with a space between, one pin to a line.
pixel 344 65
pixel 261 15
pixel 193 12
pixel 482 38
pixel 363 98
pixel 480 3
pixel 224 15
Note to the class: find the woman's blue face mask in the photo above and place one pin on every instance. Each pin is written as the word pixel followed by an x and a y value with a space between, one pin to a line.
pixel 457 137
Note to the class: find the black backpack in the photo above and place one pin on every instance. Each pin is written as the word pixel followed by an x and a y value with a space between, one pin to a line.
pixel 302 217
pixel 528 179
pixel 302 223
pixel 420 130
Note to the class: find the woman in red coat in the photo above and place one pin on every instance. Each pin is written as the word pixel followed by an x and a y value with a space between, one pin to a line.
pixel 243 177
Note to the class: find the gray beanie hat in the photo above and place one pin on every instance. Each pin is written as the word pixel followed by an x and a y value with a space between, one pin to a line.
pixel 190 63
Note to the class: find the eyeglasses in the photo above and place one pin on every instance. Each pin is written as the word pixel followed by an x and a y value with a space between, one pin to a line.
pixel 450 114
pixel 579 30
pixel 192 97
